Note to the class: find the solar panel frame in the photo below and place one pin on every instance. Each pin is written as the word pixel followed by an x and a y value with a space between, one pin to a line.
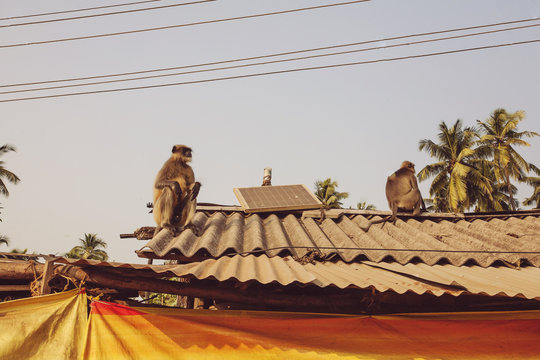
pixel 276 198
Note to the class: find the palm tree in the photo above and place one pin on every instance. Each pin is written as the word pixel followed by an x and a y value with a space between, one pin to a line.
pixel 500 135
pixel 454 174
pixel 326 192
pixel 5 173
pixel 534 181
pixel 4 240
pixel 89 249
pixel 20 252
pixel 500 199
pixel 365 206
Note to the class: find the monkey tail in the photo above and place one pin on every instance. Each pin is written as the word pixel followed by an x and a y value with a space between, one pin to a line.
pixel 164 207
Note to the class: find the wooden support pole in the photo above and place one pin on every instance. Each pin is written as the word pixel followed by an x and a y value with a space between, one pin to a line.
pixel 202 291
pixel 48 273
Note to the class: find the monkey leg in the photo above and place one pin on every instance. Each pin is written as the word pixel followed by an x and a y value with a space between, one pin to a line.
pixel 164 210
pixel 416 210
pixel 185 210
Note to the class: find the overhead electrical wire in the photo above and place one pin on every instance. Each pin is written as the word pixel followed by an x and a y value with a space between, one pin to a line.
pixel 450 251
pixel 276 72
pixel 106 14
pixel 183 25
pixel 276 54
pixel 77 10
pixel 268 62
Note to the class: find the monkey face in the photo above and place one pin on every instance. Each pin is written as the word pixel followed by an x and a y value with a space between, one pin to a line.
pixel 408 165
pixel 183 152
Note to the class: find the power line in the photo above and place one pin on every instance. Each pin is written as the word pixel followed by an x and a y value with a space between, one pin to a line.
pixel 182 25
pixel 105 14
pixel 276 72
pixel 277 54
pixel 77 10
pixel 484 252
pixel 268 62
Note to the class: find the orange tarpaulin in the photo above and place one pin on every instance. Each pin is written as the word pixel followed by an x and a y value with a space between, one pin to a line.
pixel 119 332
pixel 56 327
pixel 44 327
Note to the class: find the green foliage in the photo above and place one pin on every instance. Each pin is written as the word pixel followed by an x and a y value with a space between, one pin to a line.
pixel 476 164
pixel 163 299
pixel 89 249
pixel 455 175
pixel 5 174
pixel 500 199
pixel 500 136
pixel 534 181
pixel 326 192
pixel 4 240
pixel 365 206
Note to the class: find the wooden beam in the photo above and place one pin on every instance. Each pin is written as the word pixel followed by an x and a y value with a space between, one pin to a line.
pixel 11 288
pixel 19 270
pixel 205 291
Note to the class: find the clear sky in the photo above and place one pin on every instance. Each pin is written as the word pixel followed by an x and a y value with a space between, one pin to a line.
pixel 87 163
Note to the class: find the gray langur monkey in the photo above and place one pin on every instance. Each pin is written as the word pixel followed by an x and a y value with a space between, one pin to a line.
pixel 402 193
pixel 175 192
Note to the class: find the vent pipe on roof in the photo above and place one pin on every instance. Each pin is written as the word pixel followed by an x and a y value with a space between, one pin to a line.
pixel 267 179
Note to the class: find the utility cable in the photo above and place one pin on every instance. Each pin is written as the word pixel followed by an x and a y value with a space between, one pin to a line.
pixel 77 10
pixel 276 72
pixel 314 247
pixel 272 55
pixel 266 62
pixel 183 25
pixel 105 14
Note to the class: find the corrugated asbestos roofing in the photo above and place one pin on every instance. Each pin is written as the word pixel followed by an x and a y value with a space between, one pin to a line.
pixel 429 238
pixel 417 278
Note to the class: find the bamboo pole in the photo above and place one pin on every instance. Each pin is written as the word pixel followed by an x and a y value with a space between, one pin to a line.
pixel 204 291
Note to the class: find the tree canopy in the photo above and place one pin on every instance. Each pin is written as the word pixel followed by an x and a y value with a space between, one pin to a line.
pixel 89 248
pixel 500 135
pixel 476 164
pixel 5 174
pixel 326 192
pixel 455 175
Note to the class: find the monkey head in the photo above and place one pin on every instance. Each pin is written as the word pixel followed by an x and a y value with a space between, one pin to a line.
pixel 181 153
pixel 408 165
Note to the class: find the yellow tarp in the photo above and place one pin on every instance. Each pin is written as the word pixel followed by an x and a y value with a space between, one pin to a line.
pixel 120 332
pixel 44 327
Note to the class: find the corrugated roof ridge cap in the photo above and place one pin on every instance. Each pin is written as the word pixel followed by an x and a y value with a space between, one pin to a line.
pixel 334 213
pixel 238 208
pixel 219 208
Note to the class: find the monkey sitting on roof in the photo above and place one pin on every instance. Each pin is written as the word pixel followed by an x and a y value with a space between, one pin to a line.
pixel 175 192
pixel 402 191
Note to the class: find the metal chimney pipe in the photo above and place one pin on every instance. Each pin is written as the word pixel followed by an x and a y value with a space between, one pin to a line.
pixel 267 179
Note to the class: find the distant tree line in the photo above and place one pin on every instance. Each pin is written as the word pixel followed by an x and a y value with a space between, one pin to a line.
pixel 477 168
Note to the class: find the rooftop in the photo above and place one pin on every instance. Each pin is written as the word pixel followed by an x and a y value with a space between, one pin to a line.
pixel 484 240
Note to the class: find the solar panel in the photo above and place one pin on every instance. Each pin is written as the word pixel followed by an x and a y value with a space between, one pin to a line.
pixel 276 198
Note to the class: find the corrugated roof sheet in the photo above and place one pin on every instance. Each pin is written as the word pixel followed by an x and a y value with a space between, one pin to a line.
pixel 429 238
pixel 418 278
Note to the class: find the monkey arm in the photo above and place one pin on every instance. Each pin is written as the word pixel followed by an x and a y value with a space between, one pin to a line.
pixel 174 185
pixel 195 190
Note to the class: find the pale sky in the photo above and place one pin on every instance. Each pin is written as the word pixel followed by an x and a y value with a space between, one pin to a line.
pixel 87 163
